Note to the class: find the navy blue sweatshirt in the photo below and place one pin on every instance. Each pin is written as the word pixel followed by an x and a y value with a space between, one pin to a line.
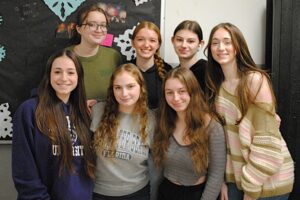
pixel 35 165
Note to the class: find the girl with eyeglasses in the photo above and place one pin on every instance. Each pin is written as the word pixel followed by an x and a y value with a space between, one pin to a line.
pixel 98 61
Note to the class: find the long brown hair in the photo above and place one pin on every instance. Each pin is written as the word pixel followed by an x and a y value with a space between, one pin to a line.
pixel 51 120
pixel 195 121
pixel 157 59
pixel 106 133
pixel 81 17
pixel 245 66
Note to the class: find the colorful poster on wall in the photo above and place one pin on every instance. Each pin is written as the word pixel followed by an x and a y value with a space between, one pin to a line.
pixel 30 30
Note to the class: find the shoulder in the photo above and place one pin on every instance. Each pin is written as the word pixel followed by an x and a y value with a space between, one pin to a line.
pixel 202 62
pixel 167 66
pixel 259 87
pixel 28 106
pixel 215 128
pixel 109 50
pixel 199 65
pixel 25 112
pixel 96 115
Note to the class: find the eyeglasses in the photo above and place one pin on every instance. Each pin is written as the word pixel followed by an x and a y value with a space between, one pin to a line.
pixel 93 26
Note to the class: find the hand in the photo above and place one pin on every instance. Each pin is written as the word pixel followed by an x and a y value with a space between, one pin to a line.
pixel 246 197
pixel 90 104
pixel 224 192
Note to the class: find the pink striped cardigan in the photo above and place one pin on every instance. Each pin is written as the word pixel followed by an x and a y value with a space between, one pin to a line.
pixel 258 160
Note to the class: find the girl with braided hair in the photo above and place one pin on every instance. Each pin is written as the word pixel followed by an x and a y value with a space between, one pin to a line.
pixel 146 40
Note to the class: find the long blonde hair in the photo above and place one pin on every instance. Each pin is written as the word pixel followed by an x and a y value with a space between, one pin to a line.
pixel 106 133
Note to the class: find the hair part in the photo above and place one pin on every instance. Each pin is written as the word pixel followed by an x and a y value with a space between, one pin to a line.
pixel 106 133
pixel 196 127
pixel 157 59
pixel 245 66
pixel 51 118
pixel 191 26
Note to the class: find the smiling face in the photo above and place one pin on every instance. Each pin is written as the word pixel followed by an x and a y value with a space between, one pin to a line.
pixel 126 91
pixel 222 48
pixel 63 77
pixel 186 44
pixel 146 43
pixel 176 94
pixel 92 30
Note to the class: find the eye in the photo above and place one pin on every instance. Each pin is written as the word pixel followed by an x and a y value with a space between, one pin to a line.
pixel 92 24
pixel 168 93
pixel 178 39
pixel 191 41
pixel 71 72
pixel 130 86
pixel 117 87
pixel 227 42
pixel 215 43
pixel 182 91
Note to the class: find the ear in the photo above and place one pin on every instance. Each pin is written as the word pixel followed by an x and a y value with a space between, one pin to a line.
pixel 78 29
pixel 201 43
pixel 172 39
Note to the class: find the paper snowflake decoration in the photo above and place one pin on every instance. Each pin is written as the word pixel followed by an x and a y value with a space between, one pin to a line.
pixel 5 121
pixel 139 2
pixel 63 8
pixel 2 53
pixel 123 41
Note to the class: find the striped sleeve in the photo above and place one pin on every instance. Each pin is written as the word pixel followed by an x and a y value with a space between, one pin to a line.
pixel 261 148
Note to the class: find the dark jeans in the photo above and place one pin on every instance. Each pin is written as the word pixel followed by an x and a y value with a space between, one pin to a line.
pixel 235 194
pixel 142 194
pixel 170 191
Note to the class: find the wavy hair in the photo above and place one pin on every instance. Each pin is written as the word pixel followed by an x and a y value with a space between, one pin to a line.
pixel 157 59
pixel 106 133
pixel 51 120
pixel 196 130
pixel 245 66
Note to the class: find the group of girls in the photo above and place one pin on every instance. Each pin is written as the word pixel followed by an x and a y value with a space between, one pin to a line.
pixel 151 131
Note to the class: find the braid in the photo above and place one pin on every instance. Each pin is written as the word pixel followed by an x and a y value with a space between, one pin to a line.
pixel 160 66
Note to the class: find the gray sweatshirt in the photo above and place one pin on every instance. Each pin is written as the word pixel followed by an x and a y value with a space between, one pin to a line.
pixel 124 171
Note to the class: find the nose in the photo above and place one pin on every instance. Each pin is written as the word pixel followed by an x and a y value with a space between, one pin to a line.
pixel 176 96
pixel 124 92
pixel 221 46
pixel 184 43
pixel 146 43
pixel 64 76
